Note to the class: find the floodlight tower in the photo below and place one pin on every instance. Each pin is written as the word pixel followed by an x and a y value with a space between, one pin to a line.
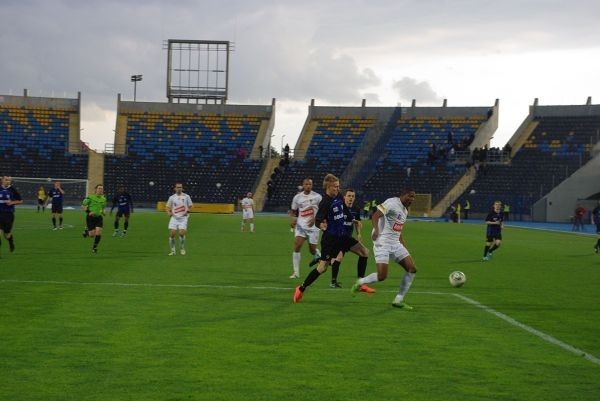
pixel 135 79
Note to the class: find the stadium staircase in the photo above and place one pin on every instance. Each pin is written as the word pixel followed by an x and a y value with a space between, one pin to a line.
pixel 455 192
pixel 260 192
pixel 95 170
pixel 363 164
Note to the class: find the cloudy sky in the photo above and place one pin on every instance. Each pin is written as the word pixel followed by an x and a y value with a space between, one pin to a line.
pixel 470 52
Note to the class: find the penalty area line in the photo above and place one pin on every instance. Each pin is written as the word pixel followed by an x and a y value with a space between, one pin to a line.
pixel 531 330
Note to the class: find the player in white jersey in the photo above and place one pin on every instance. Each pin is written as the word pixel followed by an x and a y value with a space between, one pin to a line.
pixel 178 207
pixel 388 221
pixel 248 211
pixel 302 219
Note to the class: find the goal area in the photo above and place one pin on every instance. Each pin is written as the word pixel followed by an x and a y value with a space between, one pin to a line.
pixel 75 188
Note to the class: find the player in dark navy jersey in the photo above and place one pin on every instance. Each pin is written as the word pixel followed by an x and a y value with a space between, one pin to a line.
pixel 331 220
pixel 352 221
pixel 56 197
pixel 494 221
pixel 9 197
pixel 122 201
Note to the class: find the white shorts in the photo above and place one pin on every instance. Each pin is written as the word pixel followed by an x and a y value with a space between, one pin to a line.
pixel 383 252
pixel 247 214
pixel 178 223
pixel 312 233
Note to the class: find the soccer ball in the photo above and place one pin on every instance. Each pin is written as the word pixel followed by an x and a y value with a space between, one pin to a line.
pixel 457 279
pixel 472 192
pixel 218 185
pixel 151 183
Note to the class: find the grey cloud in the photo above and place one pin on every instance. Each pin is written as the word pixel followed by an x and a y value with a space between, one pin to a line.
pixel 409 88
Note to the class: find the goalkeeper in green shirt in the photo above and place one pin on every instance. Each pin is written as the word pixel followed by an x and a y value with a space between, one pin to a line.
pixel 94 208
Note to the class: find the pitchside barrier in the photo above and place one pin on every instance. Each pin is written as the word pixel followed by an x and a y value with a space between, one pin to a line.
pixel 204 207
pixel 421 207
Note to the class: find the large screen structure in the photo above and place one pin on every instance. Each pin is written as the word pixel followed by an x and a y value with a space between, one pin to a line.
pixel 197 70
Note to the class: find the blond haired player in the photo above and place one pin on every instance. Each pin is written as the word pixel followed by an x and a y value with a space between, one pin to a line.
pixel 248 211
pixel 178 207
pixel 388 221
pixel 302 219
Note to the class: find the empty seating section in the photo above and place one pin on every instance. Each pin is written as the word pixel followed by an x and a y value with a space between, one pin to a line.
pixel 333 145
pixel 337 138
pixel 199 150
pixel 199 136
pixel 35 144
pixel 555 149
pixel 411 142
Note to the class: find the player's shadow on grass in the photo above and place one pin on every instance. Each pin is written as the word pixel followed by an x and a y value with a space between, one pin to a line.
pixel 470 261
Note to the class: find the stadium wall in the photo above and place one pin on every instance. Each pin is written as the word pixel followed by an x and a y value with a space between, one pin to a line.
pixel 157 107
pixel 558 205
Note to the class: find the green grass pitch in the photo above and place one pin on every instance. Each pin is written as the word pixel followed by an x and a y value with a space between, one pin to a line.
pixel 131 323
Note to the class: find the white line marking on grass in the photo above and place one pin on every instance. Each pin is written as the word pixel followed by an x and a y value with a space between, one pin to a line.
pixel 506 318
pixel 531 330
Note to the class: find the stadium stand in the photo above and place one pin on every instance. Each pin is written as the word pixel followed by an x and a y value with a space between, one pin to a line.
pixel 40 138
pixel 559 143
pixel 371 148
pixel 200 146
pixel 334 142
pixel 418 152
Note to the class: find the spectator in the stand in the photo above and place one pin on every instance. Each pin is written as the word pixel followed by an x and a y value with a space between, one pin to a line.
pixel 475 155
pixel 408 171
pixel 578 224
pixel 490 113
pixel 270 189
pixel 450 138
pixel 260 151
pixel 483 154
pixel 241 153
pixel 507 149
pixel 286 153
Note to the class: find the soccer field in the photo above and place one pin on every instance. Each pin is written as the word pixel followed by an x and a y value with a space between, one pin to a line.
pixel 131 323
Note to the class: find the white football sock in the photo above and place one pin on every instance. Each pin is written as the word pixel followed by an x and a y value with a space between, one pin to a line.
pixel 405 284
pixel 296 262
pixel 371 278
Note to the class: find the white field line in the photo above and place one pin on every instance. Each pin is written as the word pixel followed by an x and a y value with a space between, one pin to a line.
pixel 531 330
pixel 506 318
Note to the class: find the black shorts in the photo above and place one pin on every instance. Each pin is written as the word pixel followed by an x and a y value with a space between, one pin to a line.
pixel 58 208
pixel 349 242
pixel 93 222
pixel 6 221
pixel 331 246
pixel 41 202
pixel 494 237
pixel 121 213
